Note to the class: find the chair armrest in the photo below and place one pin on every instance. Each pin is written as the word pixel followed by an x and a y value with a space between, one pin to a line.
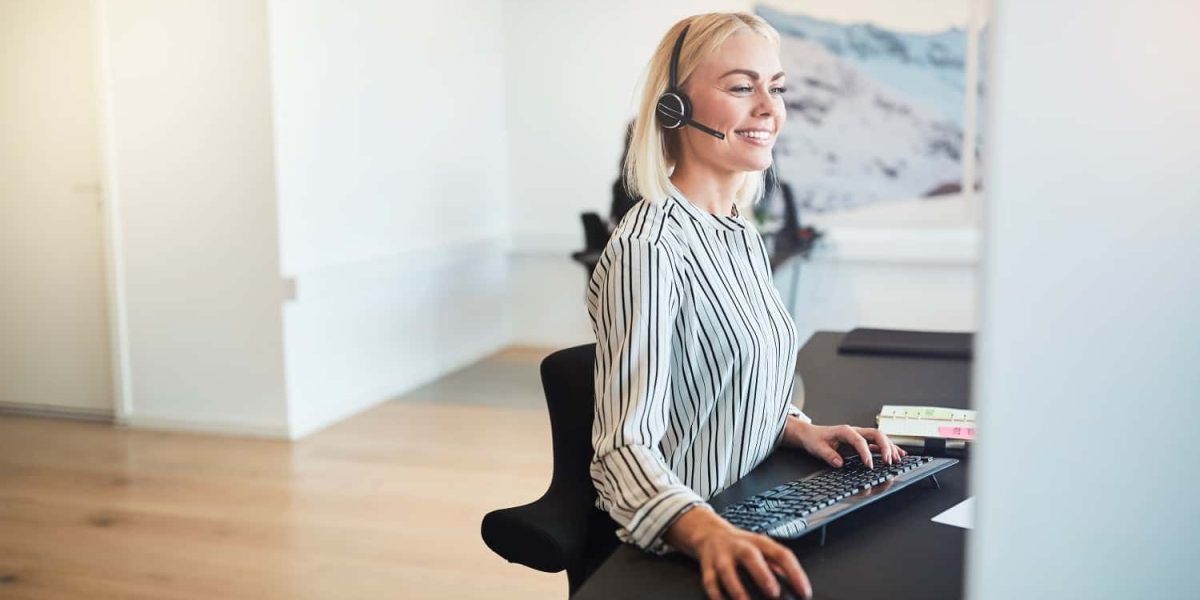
pixel 549 534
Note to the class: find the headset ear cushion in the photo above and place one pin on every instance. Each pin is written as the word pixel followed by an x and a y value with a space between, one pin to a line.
pixel 673 110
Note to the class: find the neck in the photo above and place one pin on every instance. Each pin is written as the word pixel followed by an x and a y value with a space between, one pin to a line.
pixel 707 188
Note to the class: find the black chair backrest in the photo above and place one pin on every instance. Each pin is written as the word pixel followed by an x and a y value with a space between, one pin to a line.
pixel 595 232
pixel 562 530
pixel 567 379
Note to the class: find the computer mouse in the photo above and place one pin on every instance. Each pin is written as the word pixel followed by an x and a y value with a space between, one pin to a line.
pixel 756 593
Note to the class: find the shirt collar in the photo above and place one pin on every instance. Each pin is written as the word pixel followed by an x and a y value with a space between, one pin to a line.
pixel 709 220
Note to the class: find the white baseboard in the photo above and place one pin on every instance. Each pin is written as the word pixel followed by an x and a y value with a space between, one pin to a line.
pixel 200 425
pixel 57 412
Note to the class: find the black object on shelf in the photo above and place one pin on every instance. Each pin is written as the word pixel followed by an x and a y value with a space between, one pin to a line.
pixel 899 342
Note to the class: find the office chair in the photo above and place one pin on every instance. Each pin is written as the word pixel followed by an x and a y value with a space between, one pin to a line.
pixel 595 232
pixel 595 235
pixel 562 530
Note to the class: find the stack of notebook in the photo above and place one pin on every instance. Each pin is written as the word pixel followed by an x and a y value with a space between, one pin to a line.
pixel 921 425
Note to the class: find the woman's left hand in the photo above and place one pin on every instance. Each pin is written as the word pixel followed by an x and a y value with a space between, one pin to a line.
pixel 822 442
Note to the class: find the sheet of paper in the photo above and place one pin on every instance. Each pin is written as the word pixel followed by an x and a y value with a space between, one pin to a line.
pixel 959 515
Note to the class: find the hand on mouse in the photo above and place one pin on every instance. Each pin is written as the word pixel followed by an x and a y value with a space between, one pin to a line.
pixel 721 549
pixel 823 442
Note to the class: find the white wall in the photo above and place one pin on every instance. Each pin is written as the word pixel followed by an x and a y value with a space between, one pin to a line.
pixel 572 72
pixel 1087 383
pixel 381 265
pixel 189 158
pixel 833 293
pixel 393 195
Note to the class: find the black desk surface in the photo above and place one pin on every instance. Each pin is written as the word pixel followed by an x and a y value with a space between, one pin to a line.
pixel 889 549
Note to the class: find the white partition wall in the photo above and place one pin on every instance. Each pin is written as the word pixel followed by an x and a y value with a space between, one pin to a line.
pixel 189 155
pixel 393 196
pixel 1086 378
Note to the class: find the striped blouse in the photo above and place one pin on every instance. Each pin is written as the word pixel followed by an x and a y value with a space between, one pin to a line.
pixel 695 364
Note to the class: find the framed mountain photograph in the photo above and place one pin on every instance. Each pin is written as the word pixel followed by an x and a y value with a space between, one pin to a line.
pixel 883 104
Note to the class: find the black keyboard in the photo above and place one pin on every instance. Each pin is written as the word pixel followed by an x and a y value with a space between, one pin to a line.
pixel 798 507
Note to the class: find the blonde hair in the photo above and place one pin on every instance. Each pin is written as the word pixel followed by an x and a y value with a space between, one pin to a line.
pixel 653 150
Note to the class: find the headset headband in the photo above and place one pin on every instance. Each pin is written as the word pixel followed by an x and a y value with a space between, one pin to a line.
pixel 675 58
pixel 674 108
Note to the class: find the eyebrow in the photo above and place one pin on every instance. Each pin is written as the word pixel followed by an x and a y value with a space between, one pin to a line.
pixel 749 73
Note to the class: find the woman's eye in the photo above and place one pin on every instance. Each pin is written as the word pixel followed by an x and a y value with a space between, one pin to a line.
pixel 746 89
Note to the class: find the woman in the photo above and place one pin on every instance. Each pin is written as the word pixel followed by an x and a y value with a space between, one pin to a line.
pixel 695 363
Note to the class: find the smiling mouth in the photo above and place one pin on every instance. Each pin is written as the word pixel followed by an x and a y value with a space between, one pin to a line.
pixel 758 137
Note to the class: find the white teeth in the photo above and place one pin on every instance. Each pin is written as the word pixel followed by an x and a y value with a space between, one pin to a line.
pixel 756 134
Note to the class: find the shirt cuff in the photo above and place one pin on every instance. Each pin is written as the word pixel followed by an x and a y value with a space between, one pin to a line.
pixel 796 412
pixel 657 516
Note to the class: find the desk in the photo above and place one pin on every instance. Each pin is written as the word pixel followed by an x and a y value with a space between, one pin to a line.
pixel 889 549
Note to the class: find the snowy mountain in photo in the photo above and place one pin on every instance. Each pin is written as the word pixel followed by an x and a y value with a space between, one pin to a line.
pixel 928 68
pixel 873 115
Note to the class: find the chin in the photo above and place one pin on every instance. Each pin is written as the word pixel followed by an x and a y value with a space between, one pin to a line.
pixel 755 163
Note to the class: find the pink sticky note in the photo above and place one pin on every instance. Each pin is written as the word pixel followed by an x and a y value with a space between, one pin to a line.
pixel 958 433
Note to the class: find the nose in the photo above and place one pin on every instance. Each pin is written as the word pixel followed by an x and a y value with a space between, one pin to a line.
pixel 767 105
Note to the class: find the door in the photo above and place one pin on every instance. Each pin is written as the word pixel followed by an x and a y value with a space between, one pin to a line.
pixel 54 331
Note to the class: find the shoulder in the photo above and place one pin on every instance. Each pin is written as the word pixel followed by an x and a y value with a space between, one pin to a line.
pixel 647 223
pixel 644 240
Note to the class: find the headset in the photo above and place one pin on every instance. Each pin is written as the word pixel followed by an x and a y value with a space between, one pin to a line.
pixel 674 108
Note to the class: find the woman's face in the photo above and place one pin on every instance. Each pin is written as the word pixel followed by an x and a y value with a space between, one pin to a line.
pixel 737 90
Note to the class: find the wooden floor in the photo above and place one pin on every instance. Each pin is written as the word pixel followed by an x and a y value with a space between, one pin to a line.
pixel 384 505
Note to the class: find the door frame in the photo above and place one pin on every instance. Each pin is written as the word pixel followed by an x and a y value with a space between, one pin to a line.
pixel 110 201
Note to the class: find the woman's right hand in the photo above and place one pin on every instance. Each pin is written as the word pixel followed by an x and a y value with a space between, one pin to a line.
pixel 721 548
